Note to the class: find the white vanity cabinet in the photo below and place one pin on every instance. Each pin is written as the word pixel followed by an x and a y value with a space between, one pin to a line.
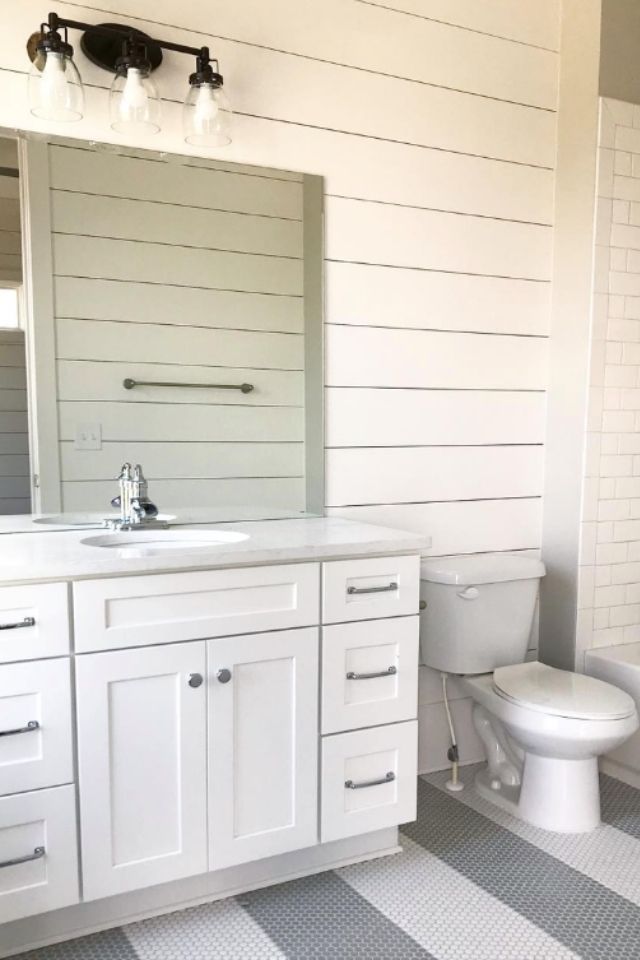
pixel 223 718
pixel 142 766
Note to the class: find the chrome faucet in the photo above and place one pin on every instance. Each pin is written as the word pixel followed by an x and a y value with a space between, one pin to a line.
pixel 136 509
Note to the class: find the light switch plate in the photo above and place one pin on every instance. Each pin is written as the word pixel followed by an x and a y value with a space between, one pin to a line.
pixel 88 436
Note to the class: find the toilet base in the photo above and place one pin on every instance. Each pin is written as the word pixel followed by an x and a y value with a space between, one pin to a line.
pixel 562 796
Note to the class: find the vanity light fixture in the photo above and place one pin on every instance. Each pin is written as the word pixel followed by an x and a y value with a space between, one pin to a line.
pixel 56 92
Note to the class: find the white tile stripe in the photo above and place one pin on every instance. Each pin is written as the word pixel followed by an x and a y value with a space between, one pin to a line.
pixel 607 855
pixel 214 931
pixel 449 916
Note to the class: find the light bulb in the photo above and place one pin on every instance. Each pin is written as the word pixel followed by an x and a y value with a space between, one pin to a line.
pixel 206 109
pixel 133 103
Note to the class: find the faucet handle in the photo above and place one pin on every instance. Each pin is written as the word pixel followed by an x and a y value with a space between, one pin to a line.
pixel 125 472
pixel 138 475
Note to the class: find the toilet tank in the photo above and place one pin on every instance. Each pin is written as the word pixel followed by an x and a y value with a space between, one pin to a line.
pixel 479 611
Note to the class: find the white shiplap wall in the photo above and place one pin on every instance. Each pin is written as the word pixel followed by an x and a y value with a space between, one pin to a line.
pixel 433 123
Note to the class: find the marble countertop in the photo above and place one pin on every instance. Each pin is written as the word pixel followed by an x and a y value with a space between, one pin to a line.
pixel 51 555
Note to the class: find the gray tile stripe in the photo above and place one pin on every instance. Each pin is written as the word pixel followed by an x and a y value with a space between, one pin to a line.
pixel 322 918
pixel 109 945
pixel 594 922
pixel 620 805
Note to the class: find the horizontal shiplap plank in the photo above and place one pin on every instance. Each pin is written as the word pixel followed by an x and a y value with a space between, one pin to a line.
pixel 107 174
pixel 460 527
pixel 13 465
pixel 12 355
pixel 10 214
pixel 170 495
pixel 10 506
pixel 187 460
pixel 89 340
pixel 89 380
pixel 185 266
pixel 374 357
pixel 459 59
pixel 9 190
pixel 12 399
pixel 400 236
pixel 190 423
pixel 10 242
pixel 80 298
pixel 419 474
pixel 360 417
pixel 392 297
pixel 79 213
pixel 12 422
pixel 15 487
pixel 12 378
pixel 537 23
pixel 14 443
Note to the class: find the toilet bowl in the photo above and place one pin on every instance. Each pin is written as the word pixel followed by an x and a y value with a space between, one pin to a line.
pixel 543 745
pixel 543 729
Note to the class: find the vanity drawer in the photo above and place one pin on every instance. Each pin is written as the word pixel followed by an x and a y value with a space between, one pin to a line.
pixel 38 852
pixel 35 725
pixel 34 621
pixel 136 611
pixel 369 780
pixel 369 673
pixel 371 588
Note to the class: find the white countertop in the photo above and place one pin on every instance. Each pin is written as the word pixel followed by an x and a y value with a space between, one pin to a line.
pixel 27 557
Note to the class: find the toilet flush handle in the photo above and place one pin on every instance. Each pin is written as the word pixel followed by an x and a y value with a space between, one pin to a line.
pixel 469 593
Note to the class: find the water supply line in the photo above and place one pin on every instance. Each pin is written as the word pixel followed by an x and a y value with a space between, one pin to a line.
pixel 454 785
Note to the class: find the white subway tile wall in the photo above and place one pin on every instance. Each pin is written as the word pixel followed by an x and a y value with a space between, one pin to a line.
pixel 609 579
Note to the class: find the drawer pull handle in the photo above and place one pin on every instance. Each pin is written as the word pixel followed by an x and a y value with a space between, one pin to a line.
pixel 223 675
pixel 27 622
pixel 32 725
pixel 195 680
pixel 389 672
pixel 389 777
pixel 388 588
pixel 37 854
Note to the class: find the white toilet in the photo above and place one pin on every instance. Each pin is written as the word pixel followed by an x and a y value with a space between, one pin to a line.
pixel 543 729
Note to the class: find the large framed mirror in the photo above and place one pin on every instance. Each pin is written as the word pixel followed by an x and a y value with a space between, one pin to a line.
pixel 162 310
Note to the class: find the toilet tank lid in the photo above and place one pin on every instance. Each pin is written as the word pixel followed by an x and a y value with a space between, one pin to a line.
pixel 484 568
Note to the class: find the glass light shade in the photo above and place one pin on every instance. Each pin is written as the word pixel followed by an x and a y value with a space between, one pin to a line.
pixel 207 116
pixel 55 88
pixel 134 104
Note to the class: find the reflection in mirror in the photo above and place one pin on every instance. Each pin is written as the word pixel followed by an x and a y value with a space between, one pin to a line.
pixel 174 320
pixel 15 497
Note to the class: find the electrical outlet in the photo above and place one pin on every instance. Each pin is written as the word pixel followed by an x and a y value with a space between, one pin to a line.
pixel 88 436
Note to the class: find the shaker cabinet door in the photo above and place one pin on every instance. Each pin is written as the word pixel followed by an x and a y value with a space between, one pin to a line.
pixel 142 766
pixel 263 743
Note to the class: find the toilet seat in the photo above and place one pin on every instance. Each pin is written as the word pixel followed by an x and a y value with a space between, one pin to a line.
pixel 561 693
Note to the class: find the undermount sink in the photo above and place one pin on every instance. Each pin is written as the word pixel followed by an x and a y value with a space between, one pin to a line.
pixel 151 543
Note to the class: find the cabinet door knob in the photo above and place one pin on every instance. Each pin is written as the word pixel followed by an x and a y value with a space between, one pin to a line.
pixel 224 675
pixel 195 680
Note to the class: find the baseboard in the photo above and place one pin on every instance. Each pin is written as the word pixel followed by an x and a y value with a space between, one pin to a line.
pixel 85 918
pixel 620 772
